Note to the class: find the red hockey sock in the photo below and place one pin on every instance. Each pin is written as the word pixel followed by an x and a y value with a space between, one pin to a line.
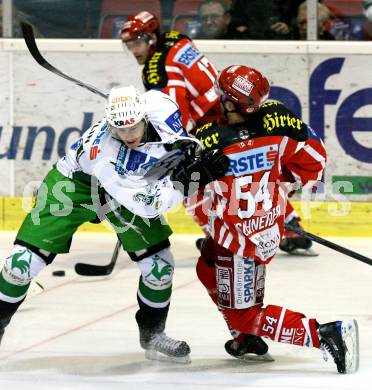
pixel 275 322
pixel 286 326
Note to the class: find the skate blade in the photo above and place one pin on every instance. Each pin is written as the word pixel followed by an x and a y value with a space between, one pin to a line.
pixel 304 252
pixel 251 357
pixel 151 354
pixel 350 336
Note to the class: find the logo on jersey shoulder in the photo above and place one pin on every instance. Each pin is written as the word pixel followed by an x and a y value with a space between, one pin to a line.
pixel 151 72
pixel 175 123
pixel 203 128
pixel 188 55
pixel 277 121
pixel 172 35
pixel 76 144
pixel 94 152
pixel 254 160
pixel 100 135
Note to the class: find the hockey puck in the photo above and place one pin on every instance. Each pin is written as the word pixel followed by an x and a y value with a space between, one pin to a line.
pixel 58 273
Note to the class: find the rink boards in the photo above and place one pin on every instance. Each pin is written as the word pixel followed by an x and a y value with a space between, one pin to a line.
pixel 329 84
pixel 352 219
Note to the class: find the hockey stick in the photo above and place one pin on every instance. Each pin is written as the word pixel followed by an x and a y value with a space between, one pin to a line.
pixel 99 270
pixel 29 37
pixel 329 244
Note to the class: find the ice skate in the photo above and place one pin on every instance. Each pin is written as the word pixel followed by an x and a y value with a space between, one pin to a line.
pixel 161 347
pixel 248 347
pixel 340 339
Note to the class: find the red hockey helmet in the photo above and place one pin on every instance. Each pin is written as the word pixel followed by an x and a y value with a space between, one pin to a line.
pixel 139 26
pixel 246 87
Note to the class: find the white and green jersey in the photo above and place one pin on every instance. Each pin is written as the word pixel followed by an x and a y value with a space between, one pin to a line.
pixel 120 170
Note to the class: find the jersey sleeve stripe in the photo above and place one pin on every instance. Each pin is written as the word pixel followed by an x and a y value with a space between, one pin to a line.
pixel 280 324
pixel 315 155
pixel 198 110
pixel 191 88
pixel 173 69
pixel 227 241
pixel 222 234
pixel 282 146
pixel 172 83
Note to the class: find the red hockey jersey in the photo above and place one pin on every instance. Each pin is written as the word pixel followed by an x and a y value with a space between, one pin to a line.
pixel 272 146
pixel 180 70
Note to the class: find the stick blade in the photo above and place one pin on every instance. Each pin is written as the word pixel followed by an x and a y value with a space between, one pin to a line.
pixel 29 37
pixel 84 269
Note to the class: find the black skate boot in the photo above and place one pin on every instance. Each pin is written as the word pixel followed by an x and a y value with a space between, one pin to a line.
pixel 157 345
pixel 294 244
pixel 248 347
pixel 3 323
pixel 340 340
pixel 7 311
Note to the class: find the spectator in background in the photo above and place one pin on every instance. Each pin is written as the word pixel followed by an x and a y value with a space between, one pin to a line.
pixel 325 22
pixel 367 28
pixel 367 9
pixel 257 19
pixel 214 20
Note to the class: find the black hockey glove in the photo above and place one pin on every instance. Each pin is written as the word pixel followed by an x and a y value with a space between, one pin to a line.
pixel 193 173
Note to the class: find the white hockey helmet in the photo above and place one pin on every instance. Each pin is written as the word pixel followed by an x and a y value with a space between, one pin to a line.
pixel 125 107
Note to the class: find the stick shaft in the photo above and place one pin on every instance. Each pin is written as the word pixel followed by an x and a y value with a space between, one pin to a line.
pixel 29 37
pixel 330 244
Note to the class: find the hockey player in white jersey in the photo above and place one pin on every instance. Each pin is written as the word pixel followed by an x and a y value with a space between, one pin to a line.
pixel 102 176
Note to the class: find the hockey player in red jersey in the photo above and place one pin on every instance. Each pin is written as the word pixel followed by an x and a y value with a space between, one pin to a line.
pixel 173 64
pixel 268 147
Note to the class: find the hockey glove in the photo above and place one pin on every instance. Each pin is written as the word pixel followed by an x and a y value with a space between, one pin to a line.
pixel 193 173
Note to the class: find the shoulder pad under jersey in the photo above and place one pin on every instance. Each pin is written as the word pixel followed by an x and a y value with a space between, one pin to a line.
pixel 215 136
pixel 154 75
pixel 274 118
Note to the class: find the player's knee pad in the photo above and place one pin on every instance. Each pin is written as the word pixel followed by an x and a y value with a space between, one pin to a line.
pixel 155 285
pixel 19 269
pixel 157 269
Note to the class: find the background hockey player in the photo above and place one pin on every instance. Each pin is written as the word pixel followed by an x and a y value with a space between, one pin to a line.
pixel 102 176
pixel 173 64
pixel 267 145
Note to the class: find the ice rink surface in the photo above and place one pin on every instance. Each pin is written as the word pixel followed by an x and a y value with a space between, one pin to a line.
pixel 80 333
